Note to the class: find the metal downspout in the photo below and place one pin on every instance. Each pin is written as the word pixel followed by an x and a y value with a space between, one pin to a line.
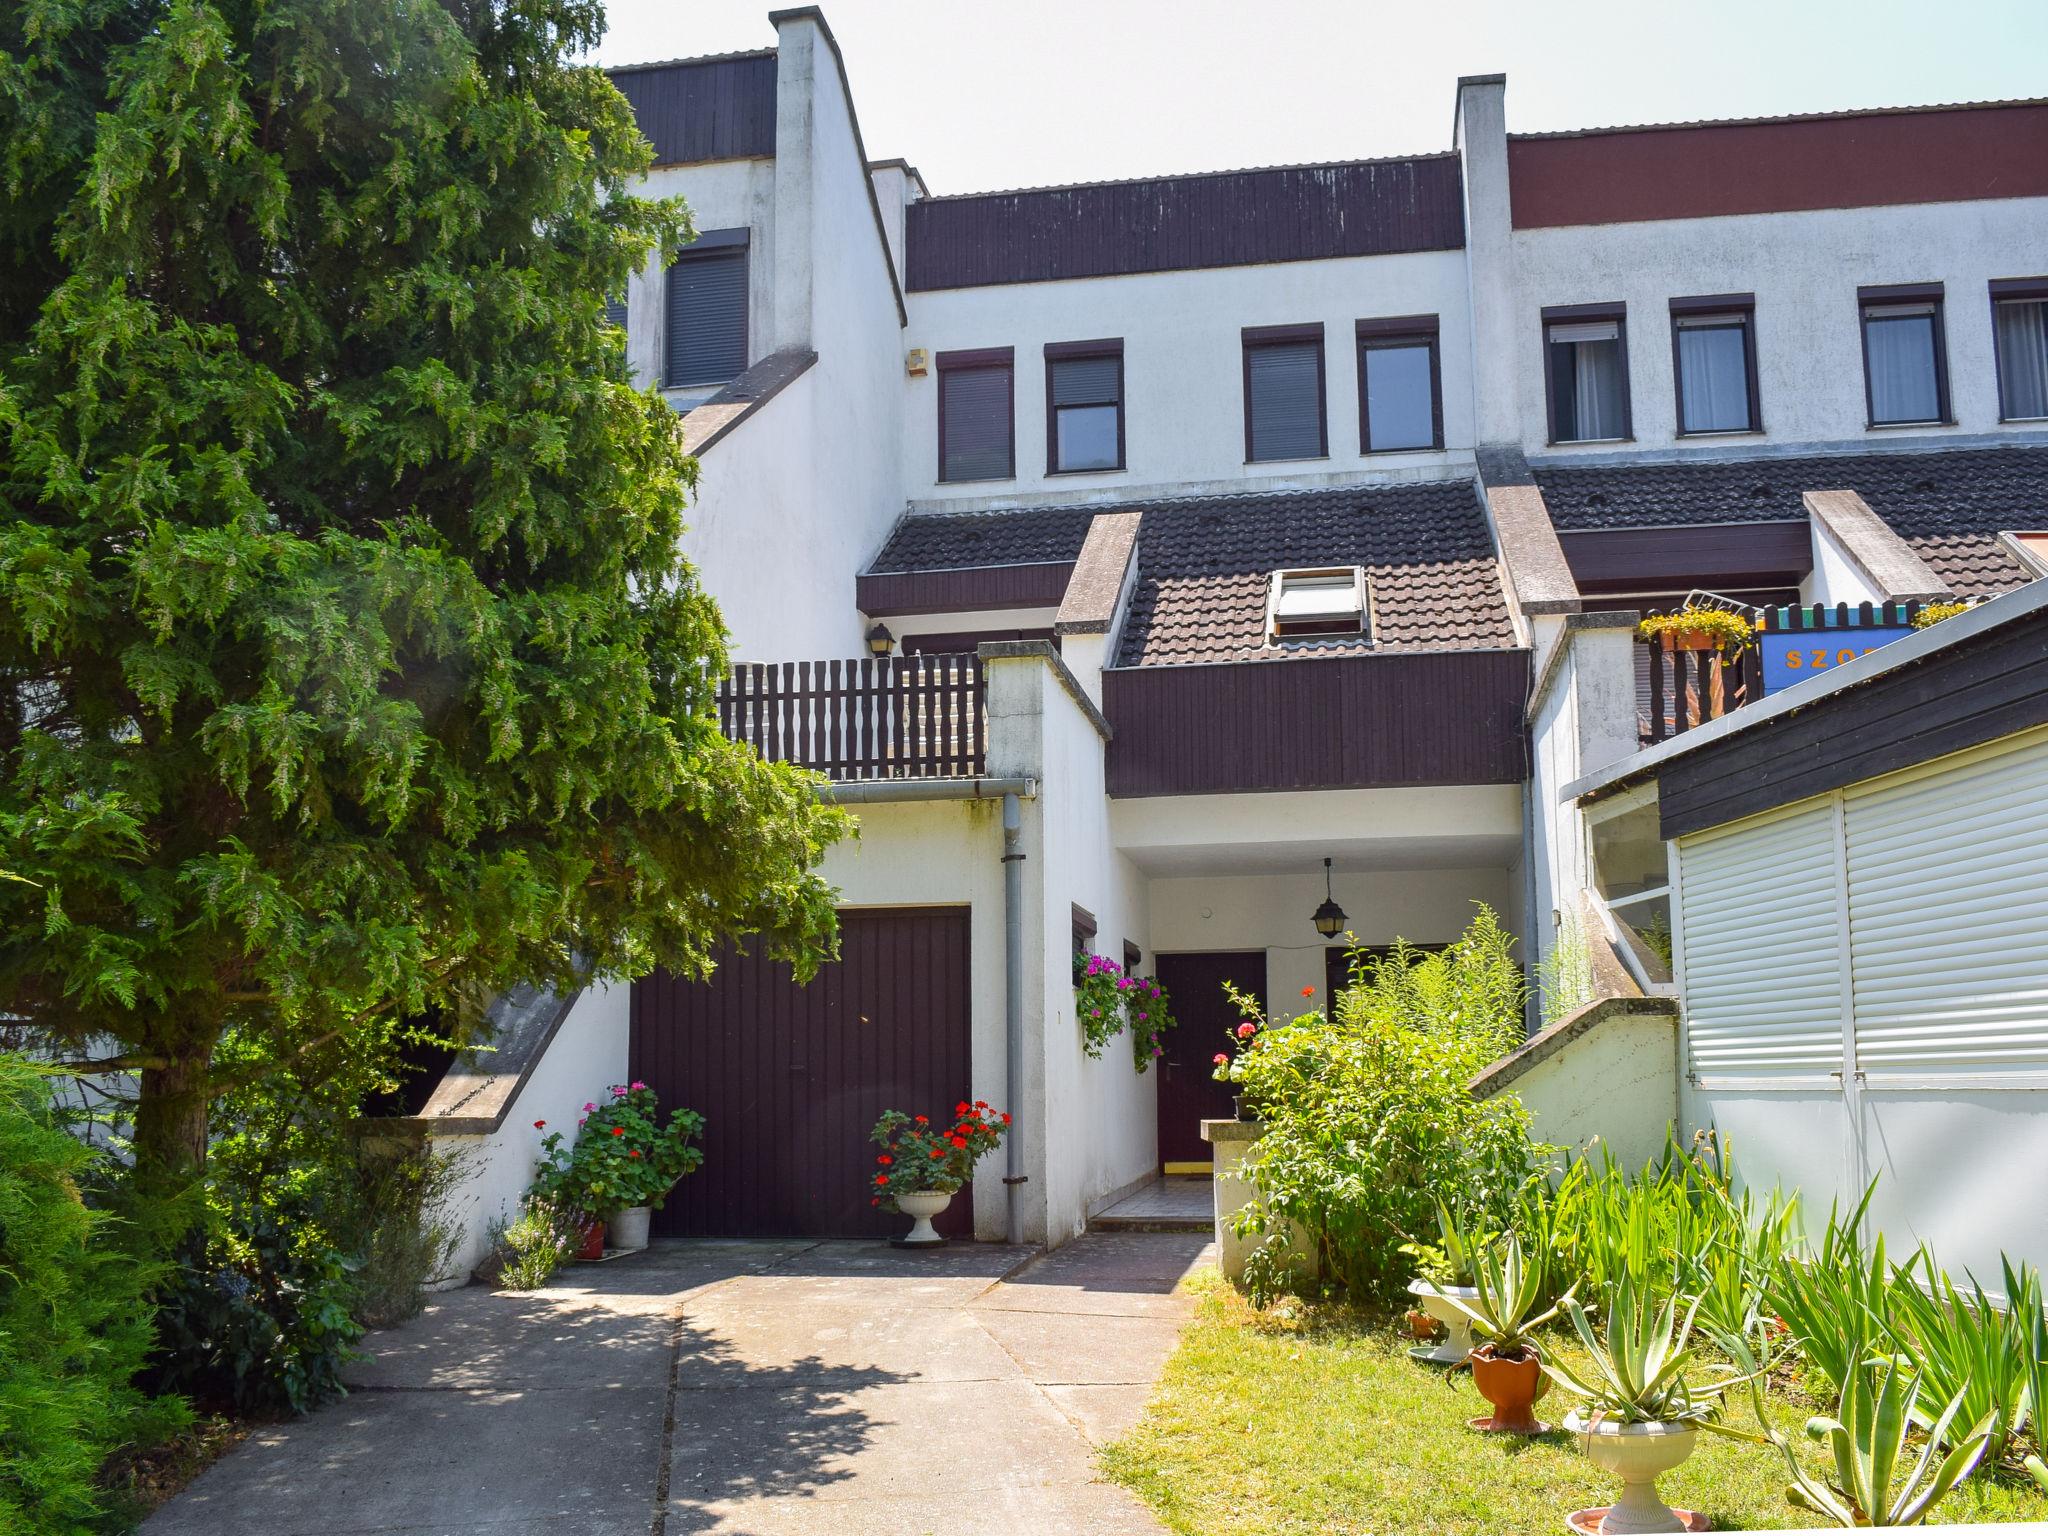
pixel 1013 1007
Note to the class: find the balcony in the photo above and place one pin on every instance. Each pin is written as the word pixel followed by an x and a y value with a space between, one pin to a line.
pixel 1679 689
pixel 865 718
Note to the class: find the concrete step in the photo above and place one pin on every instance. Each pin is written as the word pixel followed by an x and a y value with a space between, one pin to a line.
pixel 1175 1203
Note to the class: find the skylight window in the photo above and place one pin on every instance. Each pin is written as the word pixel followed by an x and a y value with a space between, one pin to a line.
pixel 1328 600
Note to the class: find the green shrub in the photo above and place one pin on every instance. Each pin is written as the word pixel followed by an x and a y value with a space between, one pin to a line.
pixel 395 1224
pixel 74 1323
pixel 255 1317
pixel 532 1247
pixel 1368 1117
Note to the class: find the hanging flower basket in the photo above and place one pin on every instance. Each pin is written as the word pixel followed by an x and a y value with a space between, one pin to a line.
pixel 1699 629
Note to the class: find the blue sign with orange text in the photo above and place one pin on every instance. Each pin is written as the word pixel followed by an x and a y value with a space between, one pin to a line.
pixel 1793 655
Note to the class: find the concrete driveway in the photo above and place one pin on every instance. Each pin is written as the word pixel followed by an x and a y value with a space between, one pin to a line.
pixel 755 1387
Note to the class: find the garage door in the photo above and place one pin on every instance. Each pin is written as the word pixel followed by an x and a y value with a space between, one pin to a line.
pixel 790 1079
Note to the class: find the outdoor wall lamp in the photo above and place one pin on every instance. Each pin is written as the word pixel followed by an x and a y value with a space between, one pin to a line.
pixel 1330 918
pixel 880 640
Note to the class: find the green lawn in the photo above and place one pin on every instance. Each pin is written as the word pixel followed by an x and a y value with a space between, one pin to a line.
pixel 1303 1423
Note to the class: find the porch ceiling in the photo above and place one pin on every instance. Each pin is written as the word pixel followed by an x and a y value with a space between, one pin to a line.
pixel 1457 827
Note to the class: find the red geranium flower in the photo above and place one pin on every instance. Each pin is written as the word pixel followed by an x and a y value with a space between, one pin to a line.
pixel 1246 1030
pixel 634 1153
pixel 1308 991
pixel 885 1159
pixel 1006 1119
pixel 618 1130
pixel 921 1120
pixel 881 1178
pixel 540 1125
pixel 981 1103
pixel 938 1155
pixel 961 1108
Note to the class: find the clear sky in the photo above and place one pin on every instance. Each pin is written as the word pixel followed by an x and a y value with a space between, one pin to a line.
pixel 982 94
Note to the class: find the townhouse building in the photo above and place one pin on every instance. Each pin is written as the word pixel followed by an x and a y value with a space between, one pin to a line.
pixel 1152 562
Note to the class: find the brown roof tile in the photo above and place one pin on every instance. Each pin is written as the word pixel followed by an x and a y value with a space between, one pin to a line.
pixel 1949 505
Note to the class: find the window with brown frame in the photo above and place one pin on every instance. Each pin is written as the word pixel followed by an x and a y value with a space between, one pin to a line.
pixel 1713 364
pixel 1905 355
pixel 1084 406
pixel 1585 372
pixel 706 300
pixel 1284 393
pixel 2019 329
pixel 977 415
pixel 1400 390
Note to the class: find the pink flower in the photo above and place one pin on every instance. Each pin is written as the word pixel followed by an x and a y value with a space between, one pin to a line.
pixel 638 1085
pixel 1246 1030
pixel 579 1121
pixel 588 1108
pixel 1221 1059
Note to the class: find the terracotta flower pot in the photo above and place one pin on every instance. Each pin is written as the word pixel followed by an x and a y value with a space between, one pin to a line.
pixel 1512 1386
pixel 591 1248
pixel 1689 640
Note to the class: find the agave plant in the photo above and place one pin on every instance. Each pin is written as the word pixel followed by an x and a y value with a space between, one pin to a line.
pixel 2037 1469
pixel 1510 1286
pixel 1964 1349
pixel 1449 1261
pixel 1638 1371
pixel 1869 1444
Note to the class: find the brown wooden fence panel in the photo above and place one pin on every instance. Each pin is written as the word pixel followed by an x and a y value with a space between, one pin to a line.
pixel 1689 688
pixel 890 717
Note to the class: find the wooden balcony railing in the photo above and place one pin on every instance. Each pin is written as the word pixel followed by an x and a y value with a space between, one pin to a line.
pixel 886 717
pixel 1677 690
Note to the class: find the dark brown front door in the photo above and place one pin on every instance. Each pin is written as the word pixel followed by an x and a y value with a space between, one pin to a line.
pixel 791 1079
pixel 1188 1091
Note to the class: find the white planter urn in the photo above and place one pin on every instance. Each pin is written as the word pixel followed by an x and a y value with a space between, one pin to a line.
pixel 626 1230
pixel 1457 1342
pixel 923 1205
pixel 1638 1454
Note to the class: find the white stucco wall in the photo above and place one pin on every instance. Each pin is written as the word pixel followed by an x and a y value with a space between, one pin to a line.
pixel 1835 577
pixel 1183 368
pixel 722 194
pixel 1617 1084
pixel 1102 1114
pixel 1804 269
pixel 1199 914
pixel 587 1056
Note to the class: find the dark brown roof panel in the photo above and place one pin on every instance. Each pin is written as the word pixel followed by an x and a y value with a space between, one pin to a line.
pixel 1178 223
pixel 704 109
pixel 1949 505
pixel 934 541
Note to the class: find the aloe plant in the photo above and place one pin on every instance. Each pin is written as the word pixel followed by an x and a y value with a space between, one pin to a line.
pixel 1639 1367
pixel 2037 1469
pixel 1869 1443
pixel 1510 1286
pixel 1448 1261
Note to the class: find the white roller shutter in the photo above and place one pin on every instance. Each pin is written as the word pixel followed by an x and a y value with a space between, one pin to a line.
pixel 1948 899
pixel 1762 948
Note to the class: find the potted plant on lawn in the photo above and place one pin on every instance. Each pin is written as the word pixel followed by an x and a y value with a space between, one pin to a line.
pixel 921 1167
pixel 1699 629
pixel 1642 1411
pixel 1507 1367
pixel 1446 1277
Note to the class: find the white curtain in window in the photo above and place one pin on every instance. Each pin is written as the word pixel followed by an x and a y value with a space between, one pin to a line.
pixel 1713 376
pixel 2023 357
pixel 1901 348
pixel 1597 391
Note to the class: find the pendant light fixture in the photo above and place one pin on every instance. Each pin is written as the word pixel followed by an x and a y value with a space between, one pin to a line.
pixel 1329 918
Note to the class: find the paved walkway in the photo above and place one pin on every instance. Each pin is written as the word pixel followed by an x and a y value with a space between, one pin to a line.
pixel 1177 1203
pixel 744 1387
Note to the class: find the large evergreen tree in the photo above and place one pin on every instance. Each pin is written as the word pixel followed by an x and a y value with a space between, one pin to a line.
pixel 349 668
